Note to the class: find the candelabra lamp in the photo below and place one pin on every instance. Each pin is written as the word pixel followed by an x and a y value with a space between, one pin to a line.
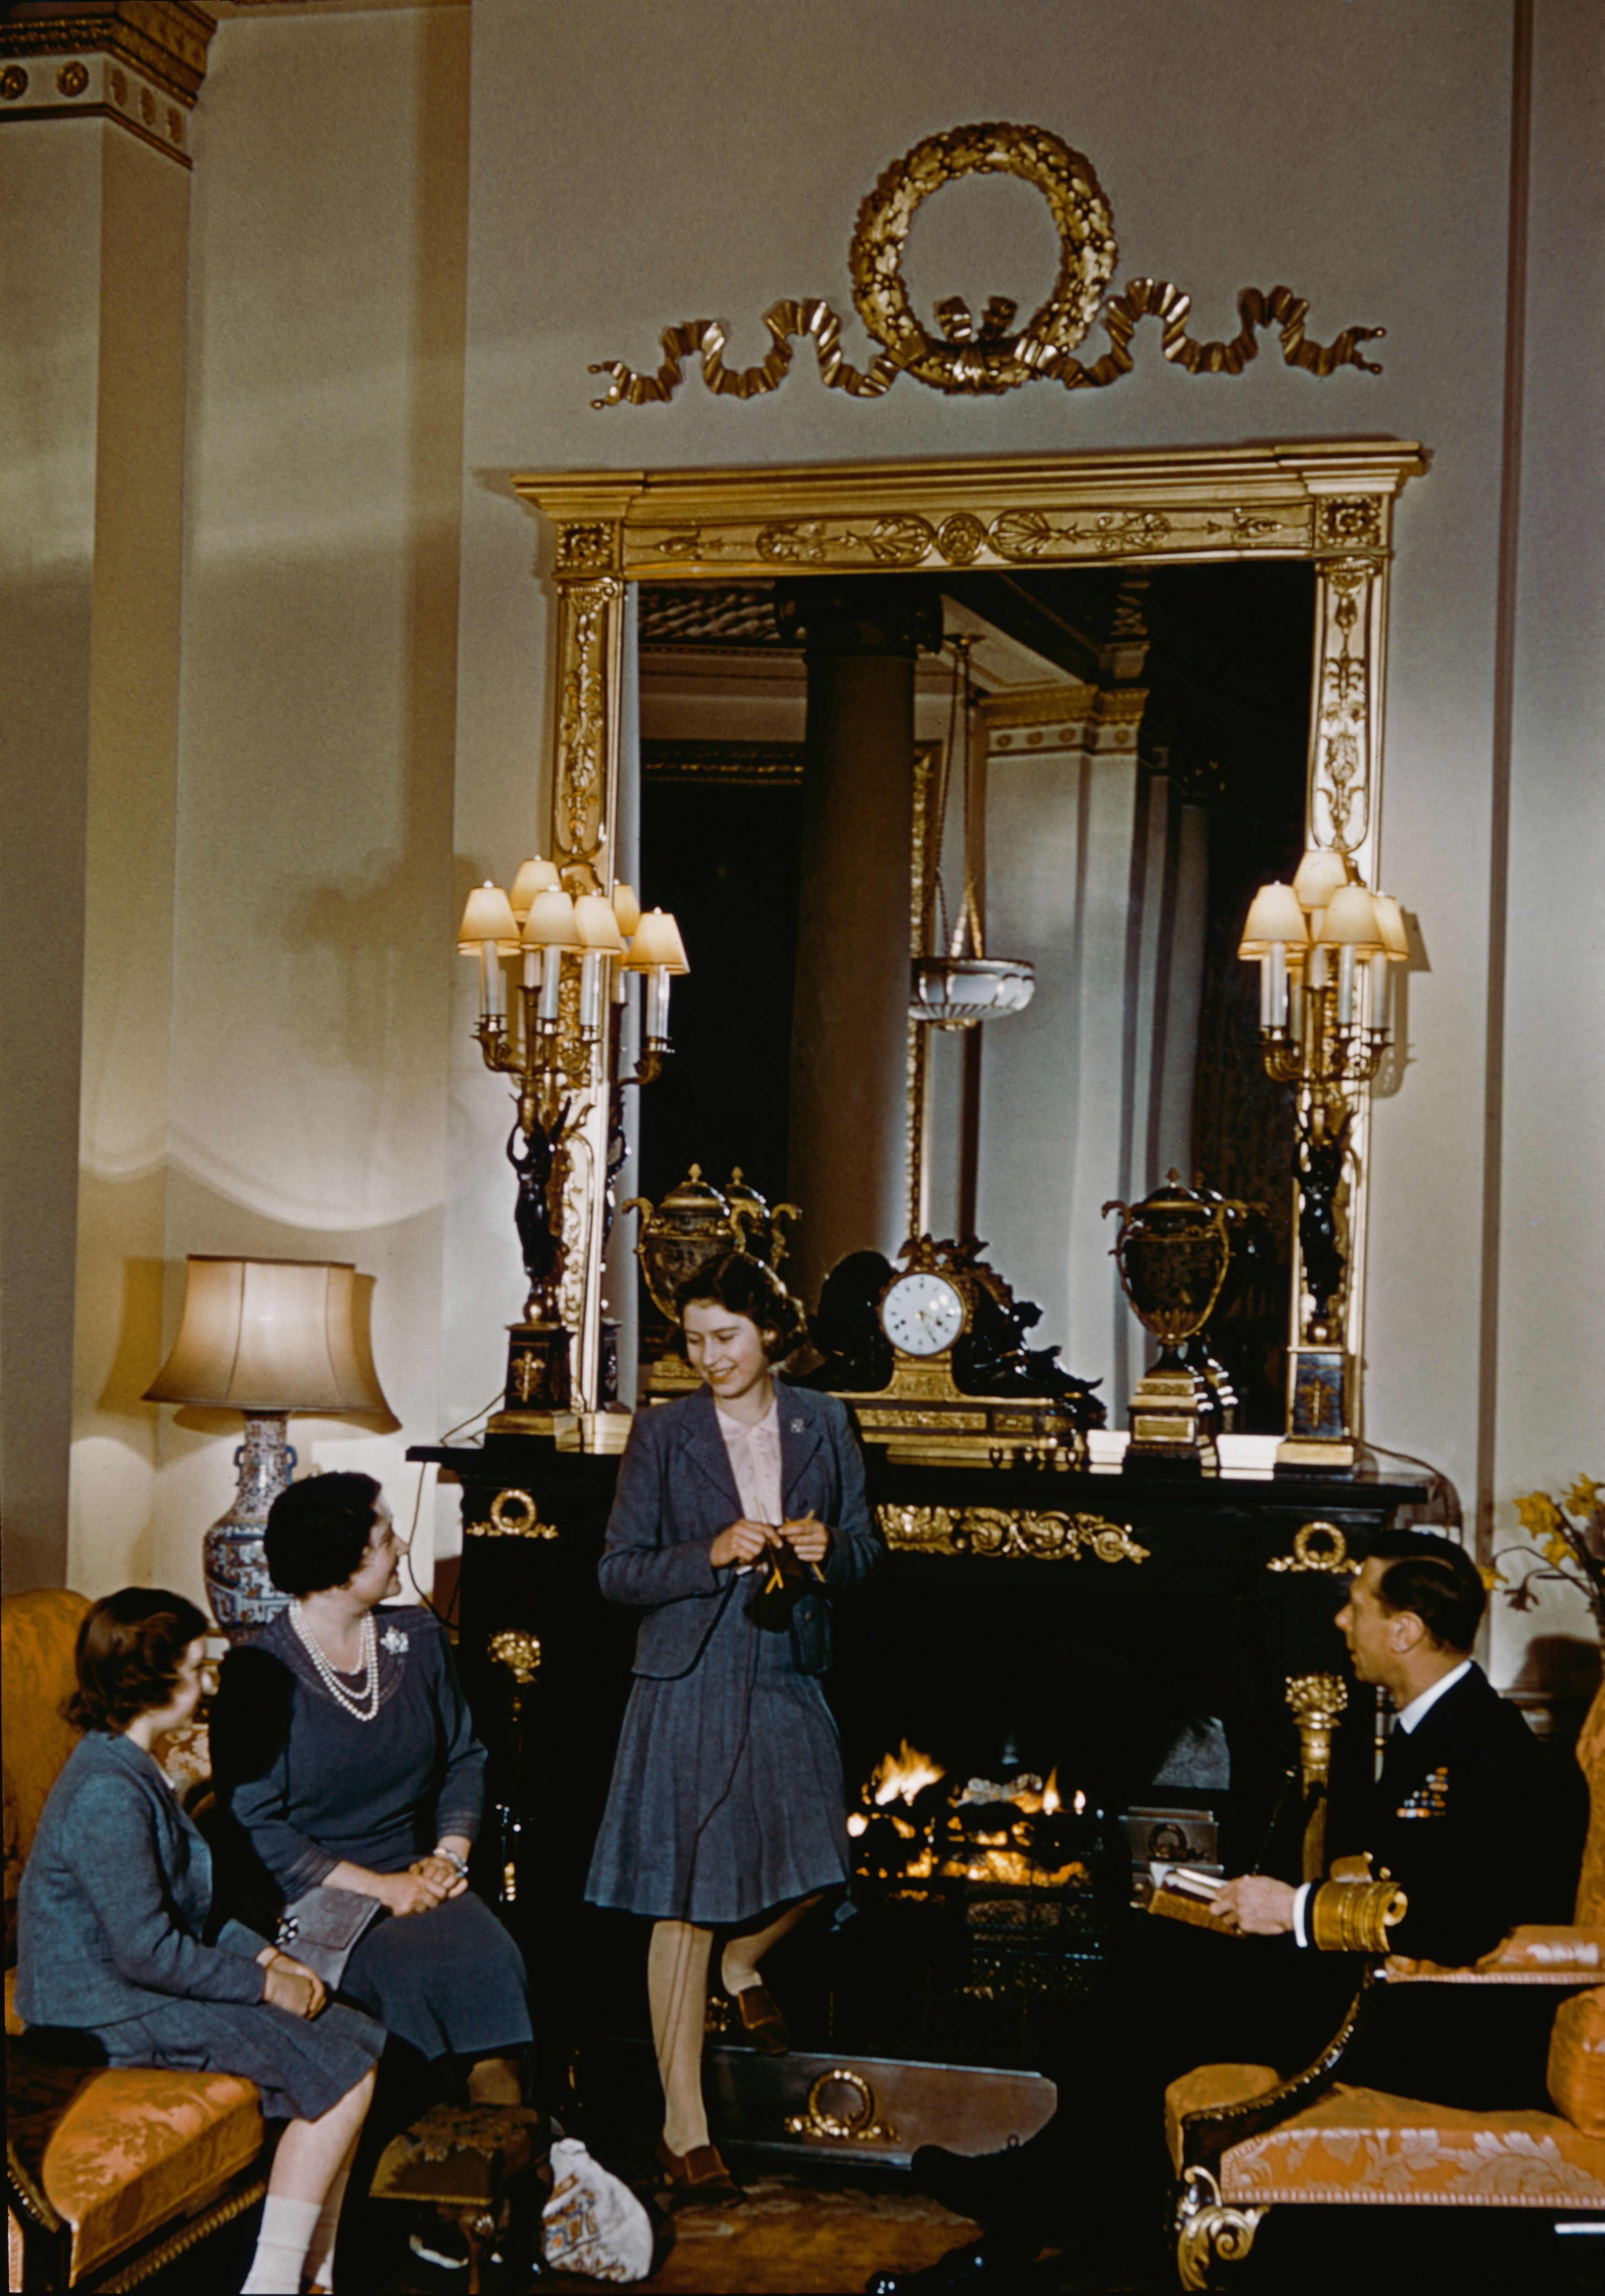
pixel 1326 947
pixel 576 951
pixel 264 1337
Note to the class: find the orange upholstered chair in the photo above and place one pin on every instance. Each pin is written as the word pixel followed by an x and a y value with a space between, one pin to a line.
pixel 109 2172
pixel 1244 2141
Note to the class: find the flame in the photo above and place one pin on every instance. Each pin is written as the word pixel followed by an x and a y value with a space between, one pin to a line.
pixel 1051 1793
pixel 856 1821
pixel 1080 1802
pixel 905 1773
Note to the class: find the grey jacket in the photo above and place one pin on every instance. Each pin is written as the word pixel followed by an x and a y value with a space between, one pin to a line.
pixel 676 1493
pixel 115 1898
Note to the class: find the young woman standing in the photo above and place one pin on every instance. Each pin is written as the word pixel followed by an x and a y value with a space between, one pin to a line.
pixel 736 1509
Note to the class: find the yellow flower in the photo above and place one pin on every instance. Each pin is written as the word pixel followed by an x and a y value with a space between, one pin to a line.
pixel 1584 1495
pixel 1492 1576
pixel 1538 1515
pixel 1556 1549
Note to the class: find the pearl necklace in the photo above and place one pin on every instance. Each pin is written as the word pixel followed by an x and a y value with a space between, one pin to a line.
pixel 365 1705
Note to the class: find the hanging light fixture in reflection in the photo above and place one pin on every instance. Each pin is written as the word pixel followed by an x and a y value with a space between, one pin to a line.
pixel 954 984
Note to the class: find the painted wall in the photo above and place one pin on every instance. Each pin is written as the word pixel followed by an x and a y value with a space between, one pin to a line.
pixel 411 233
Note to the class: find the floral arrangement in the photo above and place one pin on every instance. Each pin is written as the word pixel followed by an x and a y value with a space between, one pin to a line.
pixel 1569 1534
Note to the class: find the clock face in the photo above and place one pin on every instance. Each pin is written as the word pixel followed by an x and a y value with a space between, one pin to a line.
pixel 922 1314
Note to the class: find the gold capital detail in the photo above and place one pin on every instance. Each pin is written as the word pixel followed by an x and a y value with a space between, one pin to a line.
pixel 986 357
pixel 1013 1533
pixel 140 64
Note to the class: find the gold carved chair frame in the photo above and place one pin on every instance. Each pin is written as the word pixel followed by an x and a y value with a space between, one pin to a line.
pixel 1331 502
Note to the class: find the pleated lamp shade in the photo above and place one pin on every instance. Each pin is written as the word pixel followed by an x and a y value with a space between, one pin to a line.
pixel 270 1335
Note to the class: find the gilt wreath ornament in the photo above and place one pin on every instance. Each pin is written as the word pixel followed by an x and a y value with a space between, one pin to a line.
pixel 987 357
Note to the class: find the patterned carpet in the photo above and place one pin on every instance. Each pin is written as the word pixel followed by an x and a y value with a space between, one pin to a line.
pixel 789 2238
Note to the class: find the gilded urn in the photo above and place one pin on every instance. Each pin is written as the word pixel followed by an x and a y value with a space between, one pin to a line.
pixel 764 1233
pixel 694 1224
pixel 1172 1252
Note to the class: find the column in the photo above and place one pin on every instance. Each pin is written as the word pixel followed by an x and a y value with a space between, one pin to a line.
pixel 96 173
pixel 848 1118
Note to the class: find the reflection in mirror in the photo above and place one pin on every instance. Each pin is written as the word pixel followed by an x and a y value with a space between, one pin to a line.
pixel 1140 740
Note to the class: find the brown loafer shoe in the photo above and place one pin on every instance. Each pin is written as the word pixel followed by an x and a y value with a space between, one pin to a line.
pixel 697 2178
pixel 762 2020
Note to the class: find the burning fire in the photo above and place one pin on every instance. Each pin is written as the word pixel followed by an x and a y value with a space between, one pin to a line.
pixel 905 1773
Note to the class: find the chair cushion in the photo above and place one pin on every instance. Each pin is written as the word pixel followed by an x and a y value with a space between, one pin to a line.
pixel 1532 1954
pixel 1208 2086
pixel 1357 2145
pixel 1576 2061
pixel 1591 1760
pixel 136 2149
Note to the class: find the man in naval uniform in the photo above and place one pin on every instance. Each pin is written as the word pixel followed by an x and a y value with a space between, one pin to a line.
pixel 1478 1825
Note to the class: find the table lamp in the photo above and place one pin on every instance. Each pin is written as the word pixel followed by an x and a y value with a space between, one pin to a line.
pixel 264 1337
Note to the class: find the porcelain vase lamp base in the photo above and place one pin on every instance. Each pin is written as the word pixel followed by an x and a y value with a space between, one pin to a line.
pixel 243 1598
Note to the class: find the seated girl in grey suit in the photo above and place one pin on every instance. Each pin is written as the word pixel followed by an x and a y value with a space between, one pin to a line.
pixel 111 1929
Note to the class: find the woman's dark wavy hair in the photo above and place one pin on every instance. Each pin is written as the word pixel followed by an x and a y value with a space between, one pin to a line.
pixel 129 1649
pixel 744 1286
pixel 317 1531
pixel 1436 1579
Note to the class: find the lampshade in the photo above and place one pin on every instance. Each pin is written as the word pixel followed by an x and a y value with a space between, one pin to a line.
pixel 270 1335
pixel 597 926
pixel 1275 914
pixel 657 942
pixel 1317 877
pixel 534 877
pixel 488 916
pixel 550 923
pixel 627 908
pixel 1351 920
pixel 1390 921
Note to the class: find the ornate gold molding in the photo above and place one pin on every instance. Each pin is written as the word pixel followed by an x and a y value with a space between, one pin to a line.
pixel 1329 502
pixel 988 356
pixel 1016 1533
pixel 140 64
pixel 861 2125
pixel 514 1514
pixel 1331 1554
pixel 1207 2229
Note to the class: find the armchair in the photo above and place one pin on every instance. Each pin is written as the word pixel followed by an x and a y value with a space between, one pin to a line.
pixel 1244 2142
pixel 111 2172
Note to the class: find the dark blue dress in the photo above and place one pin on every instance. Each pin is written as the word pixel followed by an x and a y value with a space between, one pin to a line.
pixel 726 1798
pixel 309 1785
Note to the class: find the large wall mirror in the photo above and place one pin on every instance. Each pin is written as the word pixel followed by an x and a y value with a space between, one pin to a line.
pixel 1114 695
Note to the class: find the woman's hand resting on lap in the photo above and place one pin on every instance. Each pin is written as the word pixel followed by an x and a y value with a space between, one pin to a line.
pixel 291 1985
pixel 415 1891
pixel 440 1872
pixel 741 1542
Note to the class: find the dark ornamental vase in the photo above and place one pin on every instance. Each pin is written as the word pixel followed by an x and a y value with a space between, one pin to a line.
pixel 1173 1250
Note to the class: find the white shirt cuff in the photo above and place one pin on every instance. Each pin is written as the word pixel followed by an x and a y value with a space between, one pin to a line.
pixel 1301 1899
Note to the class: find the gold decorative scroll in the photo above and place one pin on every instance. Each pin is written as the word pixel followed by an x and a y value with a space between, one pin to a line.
pixel 1331 1554
pixel 514 1514
pixel 1015 1533
pixel 1329 502
pixel 988 356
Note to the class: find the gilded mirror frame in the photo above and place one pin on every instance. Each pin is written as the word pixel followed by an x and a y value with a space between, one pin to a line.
pixel 1328 501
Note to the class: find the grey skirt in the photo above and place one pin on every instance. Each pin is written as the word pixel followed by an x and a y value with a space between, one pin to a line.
pixel 726 1797
pixel 449 1983
pixel 301 2066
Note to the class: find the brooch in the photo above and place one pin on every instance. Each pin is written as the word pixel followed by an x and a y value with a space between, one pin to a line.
pixel 395 1640
pixel 797 1425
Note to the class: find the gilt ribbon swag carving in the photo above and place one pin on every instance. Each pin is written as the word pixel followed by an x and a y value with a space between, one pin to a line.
pixel 991 356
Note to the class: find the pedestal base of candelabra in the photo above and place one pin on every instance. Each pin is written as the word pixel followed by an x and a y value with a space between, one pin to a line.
pixel 538 1398
pixel 1170 1417
pixel 1318 1438
pixel 669 1377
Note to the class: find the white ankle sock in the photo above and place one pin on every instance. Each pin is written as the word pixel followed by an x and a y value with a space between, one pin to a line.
pixel 281 2249
pixel 738 1977
pixel 319 2267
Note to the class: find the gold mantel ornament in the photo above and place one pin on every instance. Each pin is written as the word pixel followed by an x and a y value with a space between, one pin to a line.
pixel 985 360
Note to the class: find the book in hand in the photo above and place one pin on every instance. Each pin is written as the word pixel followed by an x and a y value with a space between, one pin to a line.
pixel 1182 1893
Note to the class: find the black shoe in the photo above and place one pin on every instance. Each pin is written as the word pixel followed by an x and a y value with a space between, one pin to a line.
pixel 1007 2193
pixel 985 2263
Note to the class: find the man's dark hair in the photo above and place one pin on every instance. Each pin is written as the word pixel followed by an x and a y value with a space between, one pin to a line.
pixel 744 1286
pixel 318 1530
pixel 129 1649
pixel 1436 1579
